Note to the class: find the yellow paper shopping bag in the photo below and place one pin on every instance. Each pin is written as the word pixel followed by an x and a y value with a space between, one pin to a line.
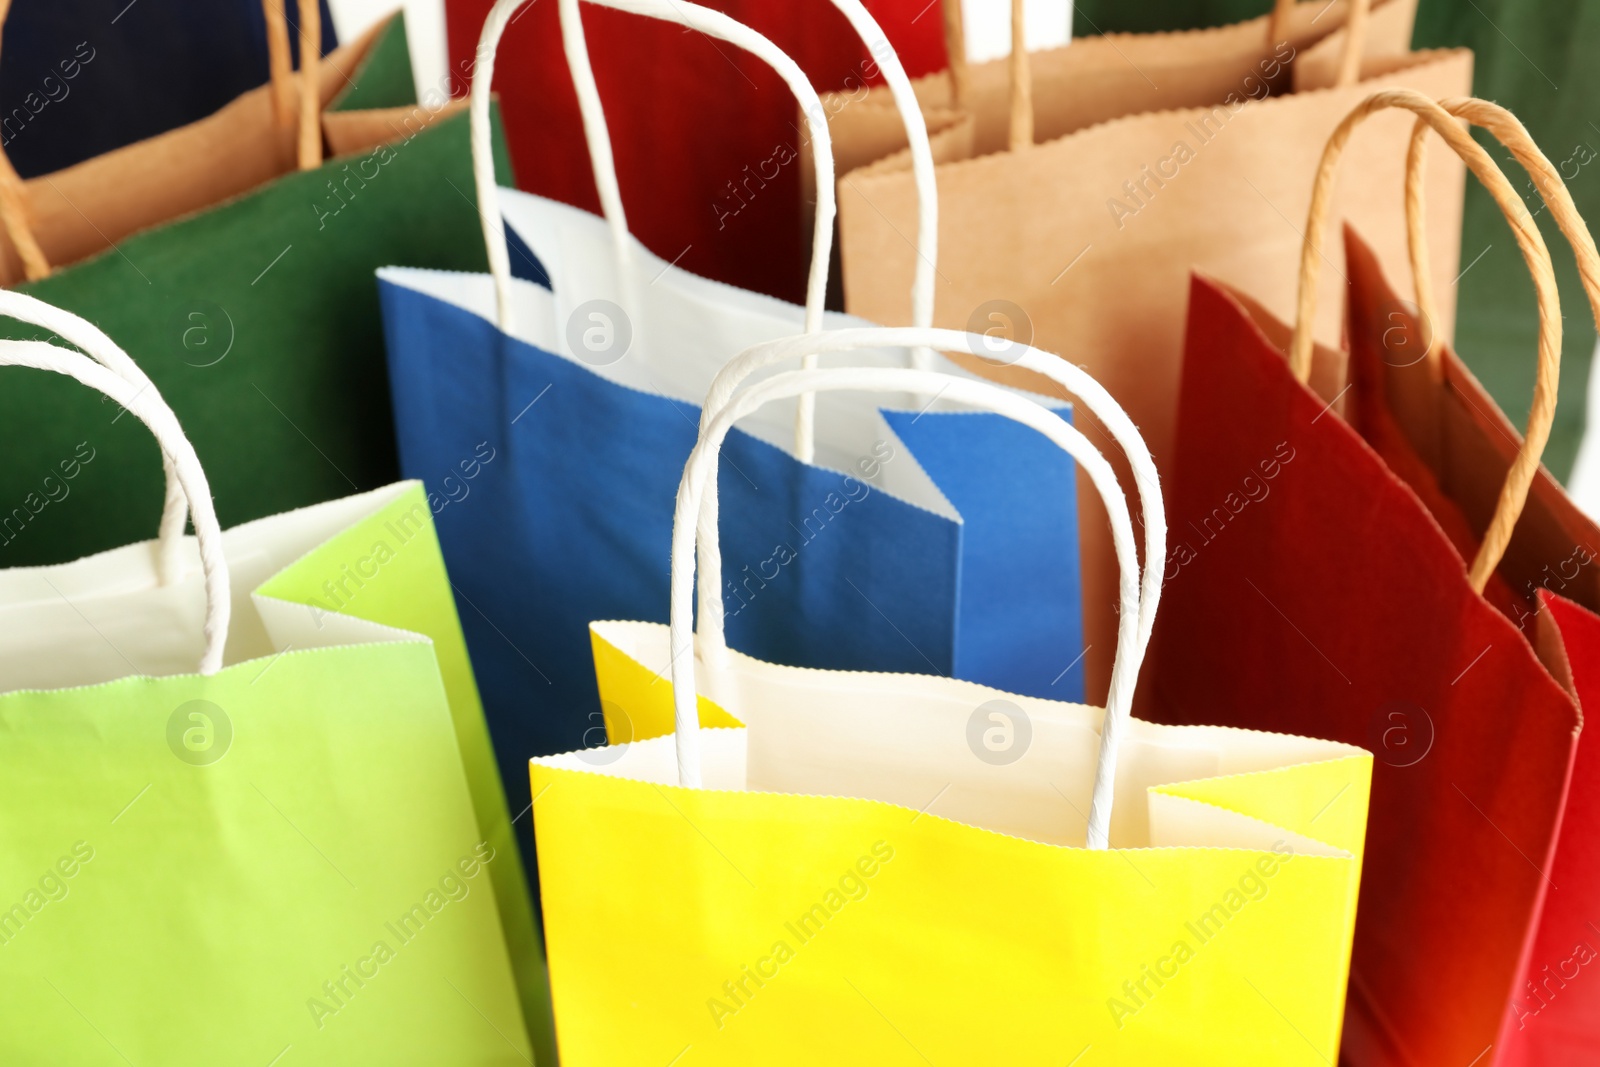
pixel 876 868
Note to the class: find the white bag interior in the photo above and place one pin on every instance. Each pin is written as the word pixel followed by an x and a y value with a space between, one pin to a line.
pixel 685 328
pixel 106 616
pixel 904 739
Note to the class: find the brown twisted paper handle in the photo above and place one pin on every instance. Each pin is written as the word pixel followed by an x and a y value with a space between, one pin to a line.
pixel 1355 36
pixel 14 212
pixel 1509 131
pixel 1430 114
pixel 1021 80
pixel 955 48
pixel 280 63
pixel 310 147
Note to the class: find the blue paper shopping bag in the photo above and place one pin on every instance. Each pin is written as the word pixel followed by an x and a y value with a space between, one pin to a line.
pixel 920 537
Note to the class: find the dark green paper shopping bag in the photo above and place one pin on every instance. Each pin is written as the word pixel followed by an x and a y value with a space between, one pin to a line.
pixel 258 320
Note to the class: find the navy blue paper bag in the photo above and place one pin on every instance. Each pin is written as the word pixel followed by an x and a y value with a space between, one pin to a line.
pixel 82 77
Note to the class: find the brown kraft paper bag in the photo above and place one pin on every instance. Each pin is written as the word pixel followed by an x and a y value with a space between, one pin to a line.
pixel 86 209
pixel 1083 240
pixel 1096 79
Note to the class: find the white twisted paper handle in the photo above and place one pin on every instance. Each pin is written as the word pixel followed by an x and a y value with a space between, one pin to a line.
pixel 79 331
pixel 905 100
pixel 1139 590
pixel 717 25
pixel 712 24
pixel 147 406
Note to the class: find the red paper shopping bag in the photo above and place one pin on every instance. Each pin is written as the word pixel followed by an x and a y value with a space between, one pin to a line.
pixel 728 144
pixel 1311 590
pixel 1437 429
pixel 1550 577
pixel 1554 1014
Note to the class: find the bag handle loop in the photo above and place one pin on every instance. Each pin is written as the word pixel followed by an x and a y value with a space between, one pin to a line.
pixel 712 24
pixel 15 212
pixel 1021 71
pixel 883 55
pixel 147 406
pixel 1514 494
pixel 955 49
pixel 1139 590
pixel 76 330
pixel 280 62
pixel 310 139
pixel 308 148
pixel 1355 42
pixel 598 137
pixel 1509 131
pixel 1072 378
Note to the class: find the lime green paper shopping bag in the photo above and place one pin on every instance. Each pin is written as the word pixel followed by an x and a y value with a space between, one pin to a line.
pixel 299 853
pixel 258 320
